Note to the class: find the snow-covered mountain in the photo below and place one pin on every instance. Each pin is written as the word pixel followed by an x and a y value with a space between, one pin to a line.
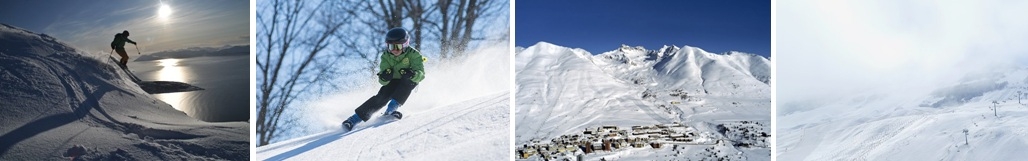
pixel 59 102
pixel 460 111
pixel 230 50
pixel 561 90
pixel 906 123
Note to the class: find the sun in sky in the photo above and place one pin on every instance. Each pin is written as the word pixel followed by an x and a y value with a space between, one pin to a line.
pixel 163 12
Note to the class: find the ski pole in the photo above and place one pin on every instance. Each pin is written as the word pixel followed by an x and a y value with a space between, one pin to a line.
pixel 137 49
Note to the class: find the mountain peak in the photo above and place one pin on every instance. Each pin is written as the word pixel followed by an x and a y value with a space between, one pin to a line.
pixel 543 43
pixel 667 50
pixel 671 47
pixel 625 47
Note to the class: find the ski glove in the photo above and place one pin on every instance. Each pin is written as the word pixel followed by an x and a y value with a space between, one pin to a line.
pixel 385 75
pixel 406 73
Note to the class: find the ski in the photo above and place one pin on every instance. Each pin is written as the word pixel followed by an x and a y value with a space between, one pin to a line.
pixel 126 70
pixel 348 127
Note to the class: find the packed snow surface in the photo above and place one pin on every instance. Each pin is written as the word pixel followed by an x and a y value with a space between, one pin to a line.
pixel 562 91
pixel 471 130
pixel 461 111
pixel 60 102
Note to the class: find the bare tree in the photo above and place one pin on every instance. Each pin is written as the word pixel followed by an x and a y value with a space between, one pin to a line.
pixel 452 22
pixel 291 61
pixel 365 38
pixel 419 15
pixel 458 21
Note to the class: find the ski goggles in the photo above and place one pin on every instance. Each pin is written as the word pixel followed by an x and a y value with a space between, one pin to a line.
pixel 396 47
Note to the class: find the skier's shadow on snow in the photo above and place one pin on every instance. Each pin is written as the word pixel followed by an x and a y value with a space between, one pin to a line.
pixel 44 124
pixel 325 140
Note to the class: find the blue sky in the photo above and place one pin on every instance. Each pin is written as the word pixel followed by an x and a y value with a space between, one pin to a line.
pixel 603 25
pixel 91 25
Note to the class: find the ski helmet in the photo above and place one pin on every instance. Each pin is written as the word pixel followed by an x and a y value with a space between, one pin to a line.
pixel 396 36
pixel 125 32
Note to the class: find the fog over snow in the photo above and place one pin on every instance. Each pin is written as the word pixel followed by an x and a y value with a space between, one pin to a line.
pixel 901 80
pixel 882 44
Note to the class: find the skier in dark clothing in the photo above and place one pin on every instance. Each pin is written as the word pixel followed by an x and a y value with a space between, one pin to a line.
pixel 400 70
pixel 119 46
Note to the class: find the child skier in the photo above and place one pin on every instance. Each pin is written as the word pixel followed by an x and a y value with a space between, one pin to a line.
pixel 400 70
pixel 119 46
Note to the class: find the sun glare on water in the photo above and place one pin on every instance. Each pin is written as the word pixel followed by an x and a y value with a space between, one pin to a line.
pixel 171 71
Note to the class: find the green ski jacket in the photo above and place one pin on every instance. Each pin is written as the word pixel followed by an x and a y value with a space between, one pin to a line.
pixel 410 58
pixel 119 41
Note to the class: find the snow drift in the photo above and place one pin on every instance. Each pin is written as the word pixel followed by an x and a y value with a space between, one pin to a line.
pixel 563 90
pixel 858 82
pixel 459 112
pixel 60 102
pixel 879 125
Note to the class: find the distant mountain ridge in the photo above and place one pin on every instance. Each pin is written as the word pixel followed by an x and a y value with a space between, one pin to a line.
pixel 670 61
pixel 197 52
pixel 682 67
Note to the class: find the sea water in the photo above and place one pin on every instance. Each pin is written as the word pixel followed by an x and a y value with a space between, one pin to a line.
pixel 225 80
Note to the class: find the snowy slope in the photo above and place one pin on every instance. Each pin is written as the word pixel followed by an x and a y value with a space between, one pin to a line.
pixel 471 130
pixel 926 126
pixel 563 90
pixel 459 112
pixel 56 97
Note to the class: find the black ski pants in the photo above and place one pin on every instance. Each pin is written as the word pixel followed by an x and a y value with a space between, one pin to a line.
pixel 124 57
pixel 398 89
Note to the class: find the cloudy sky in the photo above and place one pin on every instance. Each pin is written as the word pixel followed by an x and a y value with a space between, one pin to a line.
pixel 827 49
pixel 91 25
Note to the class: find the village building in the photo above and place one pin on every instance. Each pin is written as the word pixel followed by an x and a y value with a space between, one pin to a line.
pixel 610 138
pixel 597 146
pixel 607 145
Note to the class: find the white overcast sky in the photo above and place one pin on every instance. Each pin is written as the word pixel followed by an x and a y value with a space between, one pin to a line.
pixel 828 48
